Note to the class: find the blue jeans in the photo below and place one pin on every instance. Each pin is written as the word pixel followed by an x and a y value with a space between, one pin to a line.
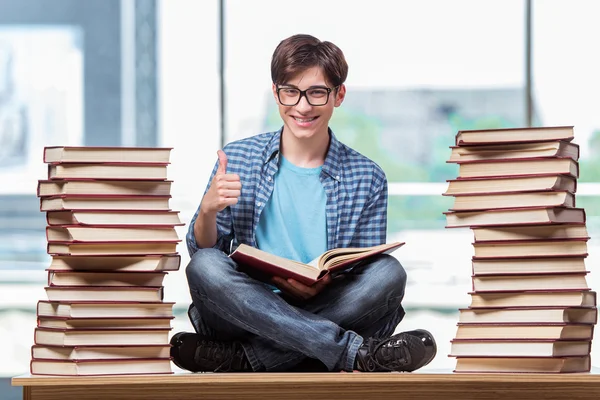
pixel 276 333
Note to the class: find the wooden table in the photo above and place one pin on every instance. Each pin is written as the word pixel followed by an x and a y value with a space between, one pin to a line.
pixel 311 386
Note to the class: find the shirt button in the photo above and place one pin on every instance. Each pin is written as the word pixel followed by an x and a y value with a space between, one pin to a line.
pixel 269 178
pixel 259 204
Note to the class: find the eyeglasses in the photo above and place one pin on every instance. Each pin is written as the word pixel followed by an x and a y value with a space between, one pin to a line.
pixel 316 96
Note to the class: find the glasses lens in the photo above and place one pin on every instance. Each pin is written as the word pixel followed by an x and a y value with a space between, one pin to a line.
pixel 317 96
pixel 288 96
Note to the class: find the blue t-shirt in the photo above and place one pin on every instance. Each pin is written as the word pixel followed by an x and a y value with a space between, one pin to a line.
pixel 293 223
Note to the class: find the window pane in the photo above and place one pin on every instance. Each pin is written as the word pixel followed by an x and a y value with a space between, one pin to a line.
pixel 413 81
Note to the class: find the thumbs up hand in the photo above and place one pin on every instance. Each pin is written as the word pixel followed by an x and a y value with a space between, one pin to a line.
pixel 225 189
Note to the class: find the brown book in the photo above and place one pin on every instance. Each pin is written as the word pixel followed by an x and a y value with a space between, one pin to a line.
pixel 515 266
pixel 112 248
pixel 537 365
pixel 108 171
pixel 511 184
pixel 530 331
pixel 519 348
pixel 158 263
pixel 100 337
pixel 78 233
pixel 105 323
pixel 76 202
pixel 514 135
pixel 104 293
pixel 106 154
pixel 513 200
pixel 502 233
pixel 100 367
pixel 77 278
pixel 502 283
pixel 519 167
pixel 559 298
pixel 114 218
pixel 266 265
pixel 557 148
pixel 44 352
pixel 517 216
pixel 529 315
pixel 531 248
pixel 103 187
pixel 106 308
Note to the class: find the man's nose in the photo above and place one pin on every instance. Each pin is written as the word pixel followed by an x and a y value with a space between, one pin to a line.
pixel 303 104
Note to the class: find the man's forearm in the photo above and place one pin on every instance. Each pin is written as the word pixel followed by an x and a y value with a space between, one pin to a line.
pixel 205 229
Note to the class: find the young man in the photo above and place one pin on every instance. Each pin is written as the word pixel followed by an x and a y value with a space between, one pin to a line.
pixel 296 193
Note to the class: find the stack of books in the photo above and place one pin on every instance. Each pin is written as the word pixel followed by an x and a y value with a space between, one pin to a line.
pixel 531 307
pixel 112 239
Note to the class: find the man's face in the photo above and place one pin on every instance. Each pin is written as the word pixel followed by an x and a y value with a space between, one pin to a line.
pixel 303 120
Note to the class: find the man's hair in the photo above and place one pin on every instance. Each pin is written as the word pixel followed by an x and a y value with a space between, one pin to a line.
pixel 300 52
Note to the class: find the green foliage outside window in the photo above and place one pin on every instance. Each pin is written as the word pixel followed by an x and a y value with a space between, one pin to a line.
pixel 364 133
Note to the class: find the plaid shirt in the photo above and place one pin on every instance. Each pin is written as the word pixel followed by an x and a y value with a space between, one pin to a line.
pixel 355 186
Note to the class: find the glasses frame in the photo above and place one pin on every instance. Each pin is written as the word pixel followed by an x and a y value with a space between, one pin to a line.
pixel 303 93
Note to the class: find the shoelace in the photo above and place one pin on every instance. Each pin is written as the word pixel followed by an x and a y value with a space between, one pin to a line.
pixel 397 347
pixel 222 354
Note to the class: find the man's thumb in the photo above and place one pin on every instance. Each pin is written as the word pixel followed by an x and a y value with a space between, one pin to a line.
pixel 222 169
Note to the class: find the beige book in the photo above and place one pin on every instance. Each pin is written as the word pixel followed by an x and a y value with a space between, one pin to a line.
pixel 106 154
pixel 513 200
pixel 555 332
pixel 153 203
pixel 114 217
pixel 516 266
pixel 105 308
pixel 529 315
pixel 531 249
pixel 144 263
pixel 557 148
pixel 108 171
pixel 104 293
pixel 522 216
pixel 537 365
pixel 103 187
pixel 111 234
pixel 530 282
pixel 105 323
pixel 514 135
pixel 77 278
pixel 560 298
pixel 114 248
pixel 100 337
pixel 43 352
pixel 511 184
pixel 519 167
pixel 101 367
pixel 553 231
pixel 519 348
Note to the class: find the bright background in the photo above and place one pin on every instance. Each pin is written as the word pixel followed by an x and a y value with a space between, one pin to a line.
pixel 144 72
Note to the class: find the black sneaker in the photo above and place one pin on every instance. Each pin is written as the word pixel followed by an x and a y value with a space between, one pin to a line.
pixel 197 353
pixel 404 352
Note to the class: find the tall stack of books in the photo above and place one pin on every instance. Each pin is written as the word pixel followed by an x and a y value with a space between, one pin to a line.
pixel 531 307
pixel 112 238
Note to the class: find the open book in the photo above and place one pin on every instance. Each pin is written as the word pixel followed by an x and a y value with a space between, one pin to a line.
pixel 267 264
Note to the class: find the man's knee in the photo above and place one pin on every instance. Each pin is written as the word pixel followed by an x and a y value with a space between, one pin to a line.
pixel 207 270
pixel 389 275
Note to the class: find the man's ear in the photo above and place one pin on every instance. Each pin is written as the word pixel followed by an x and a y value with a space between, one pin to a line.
pixel 340 95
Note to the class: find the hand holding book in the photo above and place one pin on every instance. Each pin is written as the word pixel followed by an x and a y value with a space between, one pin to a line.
pixel 299 290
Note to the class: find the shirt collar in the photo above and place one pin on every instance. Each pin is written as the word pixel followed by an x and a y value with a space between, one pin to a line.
pixel 332 165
